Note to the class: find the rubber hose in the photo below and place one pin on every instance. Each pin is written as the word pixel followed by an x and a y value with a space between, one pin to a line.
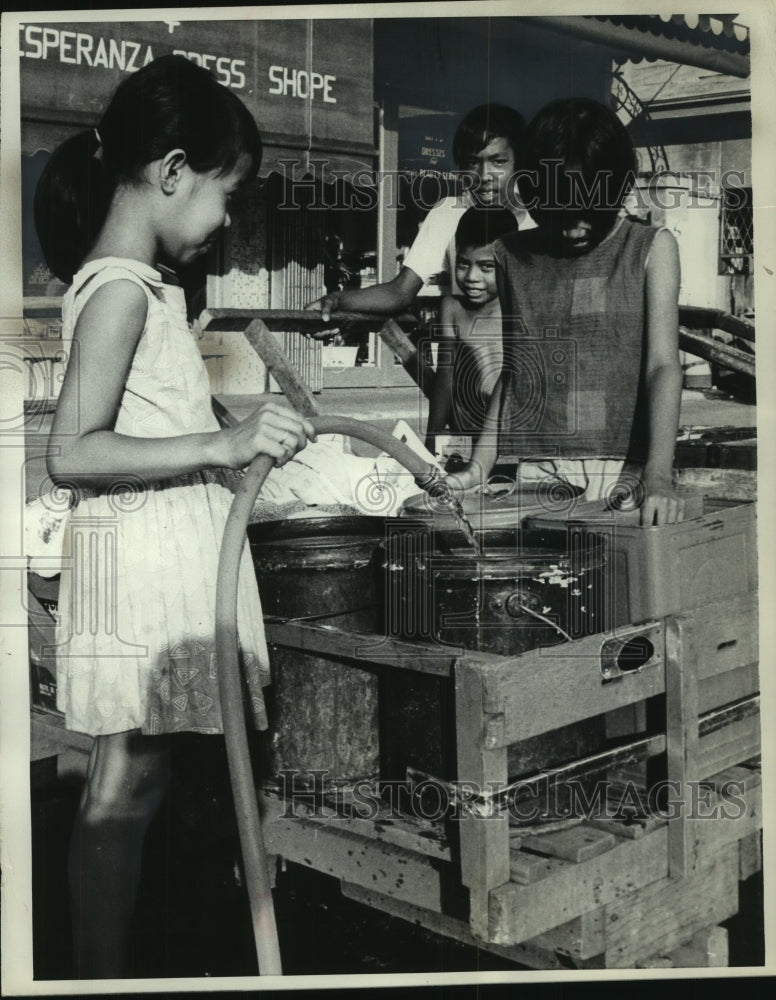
pixel 254 855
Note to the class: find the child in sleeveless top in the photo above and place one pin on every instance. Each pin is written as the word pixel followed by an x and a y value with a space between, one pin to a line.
pixel 590 386
pixel 468 335
pixel 135 440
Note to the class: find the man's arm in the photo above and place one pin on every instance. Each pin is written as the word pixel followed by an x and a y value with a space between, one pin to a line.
pixel 426 257
pixel 387 299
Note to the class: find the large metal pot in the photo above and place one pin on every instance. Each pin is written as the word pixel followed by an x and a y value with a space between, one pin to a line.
pixel 322 713
pixel 526 589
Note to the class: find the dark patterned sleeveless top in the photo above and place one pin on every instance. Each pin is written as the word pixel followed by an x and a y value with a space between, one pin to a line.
pixel 574 345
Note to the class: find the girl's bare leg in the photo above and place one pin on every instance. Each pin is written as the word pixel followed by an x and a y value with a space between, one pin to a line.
pixel 126 780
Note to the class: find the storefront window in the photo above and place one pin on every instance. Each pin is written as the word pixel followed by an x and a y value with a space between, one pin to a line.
pixel 736 231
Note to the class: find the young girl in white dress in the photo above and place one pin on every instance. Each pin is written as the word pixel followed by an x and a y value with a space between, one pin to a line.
pixel 135 439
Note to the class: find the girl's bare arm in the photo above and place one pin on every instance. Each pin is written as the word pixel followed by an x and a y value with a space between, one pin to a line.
pixel 85 449
pixel 663 376
pixel 440 402
pixel 485 451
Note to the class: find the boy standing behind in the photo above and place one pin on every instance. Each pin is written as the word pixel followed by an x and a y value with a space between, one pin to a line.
pixel 485 147
pixel 469 354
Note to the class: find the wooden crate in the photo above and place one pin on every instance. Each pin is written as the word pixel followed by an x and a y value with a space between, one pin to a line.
pixel 605 891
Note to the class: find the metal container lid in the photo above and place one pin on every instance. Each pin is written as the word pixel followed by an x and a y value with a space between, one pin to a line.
pixel 497 505
pixel 315 541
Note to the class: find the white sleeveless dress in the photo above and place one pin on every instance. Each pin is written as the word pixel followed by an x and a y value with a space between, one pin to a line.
pixel 136 635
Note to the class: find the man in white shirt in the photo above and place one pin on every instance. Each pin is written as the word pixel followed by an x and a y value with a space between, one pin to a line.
pixel 485 148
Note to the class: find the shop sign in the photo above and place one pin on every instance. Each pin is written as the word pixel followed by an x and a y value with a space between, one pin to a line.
pixel 311 79
pixel 426 143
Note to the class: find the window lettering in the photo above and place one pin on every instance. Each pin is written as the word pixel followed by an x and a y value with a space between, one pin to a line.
pixel 290 82
pixel 82 49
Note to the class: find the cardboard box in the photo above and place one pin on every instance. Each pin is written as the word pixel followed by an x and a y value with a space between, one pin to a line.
pixel 658 571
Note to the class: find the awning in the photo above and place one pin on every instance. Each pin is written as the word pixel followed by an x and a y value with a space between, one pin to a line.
pixel 709 41
pixel 309 84
pixel 295 160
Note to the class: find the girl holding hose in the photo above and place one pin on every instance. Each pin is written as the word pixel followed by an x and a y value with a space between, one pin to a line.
pixel 118 209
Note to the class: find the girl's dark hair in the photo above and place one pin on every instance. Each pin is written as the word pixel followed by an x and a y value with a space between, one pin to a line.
pixel 481 225
pixel 577 159
pixel 171 103
pixel 484 124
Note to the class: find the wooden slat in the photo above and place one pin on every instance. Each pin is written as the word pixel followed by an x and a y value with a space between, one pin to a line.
pixel 526 868
pixel 366 648
pixel 519 912
pixel 740 778
pixel 403 874
pixel 532 954
pixel 728 746
pixel 707 949
pixel 48 733
pixel 681 739
pixel 721 689
pixel 223 414
pixel 231 320
pixel 577 844
pixel 702 318
pixel 295 389
pixel 406 833
pixel 582 938
pixel 724 635
pixel 484 840
pixel 621 828
pixel 711 349
pixel 662 916
pixel 516 690
pixel 654 918
pixel 415 364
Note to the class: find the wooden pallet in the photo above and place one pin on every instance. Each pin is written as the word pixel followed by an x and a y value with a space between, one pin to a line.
pixel 598 893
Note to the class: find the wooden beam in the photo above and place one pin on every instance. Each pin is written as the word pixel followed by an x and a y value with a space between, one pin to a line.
pixel 707 949
pixel 662 916
pixel 701 318
pixel 724 634
pixel 516 690
pixel 728 746
pixel 378 822
pixel 416 366
pixel 280 368
pixel 484 835
pixel 730 686
pixel 519 912
pixel 306 321
pixel 717 351
pixel 309 322
pixel 403 874
pixel 548 952
pixel 368 648
pixel 681 669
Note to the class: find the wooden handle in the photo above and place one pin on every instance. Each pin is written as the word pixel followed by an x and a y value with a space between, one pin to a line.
pixel 294 387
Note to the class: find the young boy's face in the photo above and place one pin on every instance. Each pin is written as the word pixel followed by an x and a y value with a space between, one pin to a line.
pixel 475 272
pixel 494 168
